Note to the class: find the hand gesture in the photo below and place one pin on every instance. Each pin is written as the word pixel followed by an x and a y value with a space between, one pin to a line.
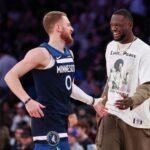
pixel 34 109
pixel 124 103
pixel 100 108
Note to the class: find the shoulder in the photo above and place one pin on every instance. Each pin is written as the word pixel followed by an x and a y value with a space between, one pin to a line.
pixel 38 51
pixel 111 44
pixel 37 54
pixel 141 47
pixel 37 57
pixel 140 44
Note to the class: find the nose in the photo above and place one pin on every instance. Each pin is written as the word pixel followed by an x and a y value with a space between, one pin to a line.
pixel 113 28
pixel 72 29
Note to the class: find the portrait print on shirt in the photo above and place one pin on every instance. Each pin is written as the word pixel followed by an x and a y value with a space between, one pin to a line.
pixel 119 74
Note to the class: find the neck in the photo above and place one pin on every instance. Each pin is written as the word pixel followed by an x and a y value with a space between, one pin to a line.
pixel 128 39
pixel 56 42
pixel 123 45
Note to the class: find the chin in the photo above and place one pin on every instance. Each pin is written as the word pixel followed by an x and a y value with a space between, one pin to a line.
pixel 119 39
pixel 69 41
pixel 116 39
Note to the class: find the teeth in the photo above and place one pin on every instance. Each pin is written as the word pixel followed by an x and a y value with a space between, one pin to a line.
pixel 116 33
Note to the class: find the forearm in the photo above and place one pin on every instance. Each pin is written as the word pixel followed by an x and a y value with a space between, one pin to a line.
pixel 14 84
pixel 142 93
pixel 105 93
pixel 80 95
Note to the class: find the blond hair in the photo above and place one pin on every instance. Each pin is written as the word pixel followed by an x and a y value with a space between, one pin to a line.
pixel 50 19
pixel 4 137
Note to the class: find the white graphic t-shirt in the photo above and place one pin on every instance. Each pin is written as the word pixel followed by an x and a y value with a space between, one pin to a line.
pixel 126 70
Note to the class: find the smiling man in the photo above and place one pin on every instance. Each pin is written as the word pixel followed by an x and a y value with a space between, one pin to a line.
pixel 127 126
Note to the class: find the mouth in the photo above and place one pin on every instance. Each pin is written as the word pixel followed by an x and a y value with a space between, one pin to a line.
pixel 116 34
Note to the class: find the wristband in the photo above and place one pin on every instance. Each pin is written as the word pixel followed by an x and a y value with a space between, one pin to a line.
pixel 131 106
pixel 27 100
pixel 93 102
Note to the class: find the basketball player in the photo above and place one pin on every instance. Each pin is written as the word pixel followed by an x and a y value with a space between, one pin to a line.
pixel 127 126
pixel 53 72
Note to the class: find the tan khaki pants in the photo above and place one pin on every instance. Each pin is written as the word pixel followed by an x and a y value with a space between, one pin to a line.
pixel 114 134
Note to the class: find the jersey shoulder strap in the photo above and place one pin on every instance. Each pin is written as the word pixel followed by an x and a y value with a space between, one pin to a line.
pixel 50 49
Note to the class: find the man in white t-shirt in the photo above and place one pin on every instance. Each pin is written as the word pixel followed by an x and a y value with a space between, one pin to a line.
pixel 127 126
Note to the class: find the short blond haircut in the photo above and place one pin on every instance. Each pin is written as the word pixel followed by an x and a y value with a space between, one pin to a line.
pixel 50 19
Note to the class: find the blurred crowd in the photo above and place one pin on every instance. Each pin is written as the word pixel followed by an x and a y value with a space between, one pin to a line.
pixel 21 29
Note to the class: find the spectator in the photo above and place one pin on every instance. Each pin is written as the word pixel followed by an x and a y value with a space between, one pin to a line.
pixel 26 139
pixel 73 120
pixel 73 141
pixel 6 63
pixel 83 129
pixel 16 142
pixel 89 85
pixel 4 138
pixel 21 116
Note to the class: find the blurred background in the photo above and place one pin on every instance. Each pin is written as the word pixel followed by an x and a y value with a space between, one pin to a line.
pixel 21 29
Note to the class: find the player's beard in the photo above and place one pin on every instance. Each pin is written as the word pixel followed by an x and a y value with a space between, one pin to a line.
pixel 66 37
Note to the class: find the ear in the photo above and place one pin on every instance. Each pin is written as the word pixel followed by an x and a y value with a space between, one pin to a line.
pixel 130 24
pixel 58 27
